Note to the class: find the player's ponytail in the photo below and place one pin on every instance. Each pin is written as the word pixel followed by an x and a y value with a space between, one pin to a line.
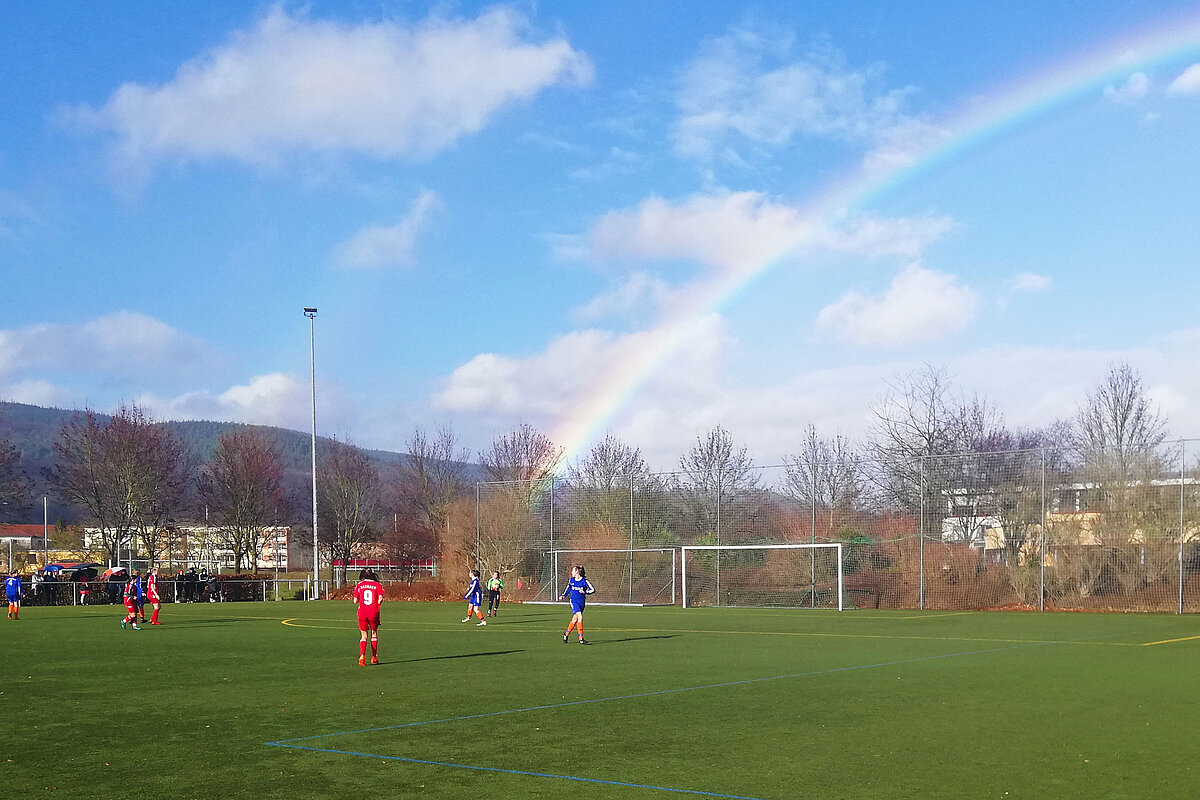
pixel 582 571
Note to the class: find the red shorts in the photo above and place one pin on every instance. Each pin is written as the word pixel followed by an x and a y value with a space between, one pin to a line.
pixel 368 622
pixel 154 599
pixel 130 606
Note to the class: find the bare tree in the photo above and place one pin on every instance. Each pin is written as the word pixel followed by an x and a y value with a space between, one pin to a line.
pixel 129 473
pixel 920 427
pixel 14 484
pixel 1118 437
pixel 523 455
pixel 348 499
pixel 431 478
pixel 161 475
pixel 826 474
pixel 243 488
pixel 597 491
pixel 608 465
pixel 716 476
pixel 1117 429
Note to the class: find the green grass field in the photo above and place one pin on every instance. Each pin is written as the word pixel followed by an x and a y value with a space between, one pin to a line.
pixel 769 704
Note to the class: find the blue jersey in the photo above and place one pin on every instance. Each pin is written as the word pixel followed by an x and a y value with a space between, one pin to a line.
pixel 474 594
pixel 12 587
pixel 577 591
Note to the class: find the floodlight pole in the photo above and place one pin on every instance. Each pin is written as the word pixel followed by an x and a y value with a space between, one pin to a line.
pixel 45 531
pixel 311 313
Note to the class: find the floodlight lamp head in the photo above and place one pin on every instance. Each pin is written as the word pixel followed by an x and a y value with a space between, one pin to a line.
pixel 309 311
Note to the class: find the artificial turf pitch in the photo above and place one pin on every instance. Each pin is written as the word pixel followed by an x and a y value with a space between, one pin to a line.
pixel 266 700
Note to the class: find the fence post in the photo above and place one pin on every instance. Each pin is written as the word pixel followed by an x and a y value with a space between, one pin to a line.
pixel 1042 548
pixel 718 552
pixel 921 532
pixel 812 554
pixel 630 538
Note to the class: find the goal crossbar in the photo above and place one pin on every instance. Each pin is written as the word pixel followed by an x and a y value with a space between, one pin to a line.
pixel 841 589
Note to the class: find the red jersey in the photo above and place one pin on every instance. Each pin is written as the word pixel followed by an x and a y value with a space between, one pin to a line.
pixel 152 587
pixel 368 595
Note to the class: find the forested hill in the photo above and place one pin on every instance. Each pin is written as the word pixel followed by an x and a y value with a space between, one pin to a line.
pixel 33 430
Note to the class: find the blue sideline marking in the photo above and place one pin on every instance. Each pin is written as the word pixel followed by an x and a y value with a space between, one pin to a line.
pixel 520 772
pixel 287 742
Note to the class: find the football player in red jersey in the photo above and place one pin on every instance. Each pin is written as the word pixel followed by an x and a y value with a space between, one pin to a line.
pixel 152 594
pixel 368 594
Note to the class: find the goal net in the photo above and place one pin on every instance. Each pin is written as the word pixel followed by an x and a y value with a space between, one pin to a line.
pixel 638 577
pixel 760 576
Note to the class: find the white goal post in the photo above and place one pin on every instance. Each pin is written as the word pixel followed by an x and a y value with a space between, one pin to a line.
pixel 764 575
pixel 642 576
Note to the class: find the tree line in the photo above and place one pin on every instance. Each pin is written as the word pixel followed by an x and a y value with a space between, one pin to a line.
pixel 136 480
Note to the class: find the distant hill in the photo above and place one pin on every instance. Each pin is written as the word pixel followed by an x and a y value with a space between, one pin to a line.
pixel 33 430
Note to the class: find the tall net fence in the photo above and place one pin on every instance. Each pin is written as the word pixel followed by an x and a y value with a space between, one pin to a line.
pixel 1034 529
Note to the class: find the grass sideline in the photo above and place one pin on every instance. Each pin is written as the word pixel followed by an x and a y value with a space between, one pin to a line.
pixel 770 704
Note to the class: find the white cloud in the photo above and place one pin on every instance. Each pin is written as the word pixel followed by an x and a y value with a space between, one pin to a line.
pixel 618 162
pixel 394 245
pixel 639 294
pixel 1187 82
pixel 741 230
pixel 748 87
pixel 292 83
pixel 38 393
pixel 733 231
pixel 1136 87
pixel 686 394
pixel 1030 282
pixel 561 379
pixel 876 237
pixel 921 305
pixel 124 343
pixel 273 399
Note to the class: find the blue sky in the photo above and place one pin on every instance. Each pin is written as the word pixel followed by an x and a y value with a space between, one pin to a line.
pixel 504 211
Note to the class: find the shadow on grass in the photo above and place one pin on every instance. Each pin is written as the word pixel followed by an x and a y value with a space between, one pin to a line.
pixel 200 623
pixel 634 639
pixel 443 658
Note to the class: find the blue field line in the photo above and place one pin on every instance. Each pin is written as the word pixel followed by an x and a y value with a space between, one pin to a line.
pixel 284 742
pixel 521 772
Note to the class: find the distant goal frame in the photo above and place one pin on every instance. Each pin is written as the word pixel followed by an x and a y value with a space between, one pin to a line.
pixel 838 546
pixel 628 550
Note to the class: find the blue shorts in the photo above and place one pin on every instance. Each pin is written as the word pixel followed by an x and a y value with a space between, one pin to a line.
pixel 475 599
pixel 577 608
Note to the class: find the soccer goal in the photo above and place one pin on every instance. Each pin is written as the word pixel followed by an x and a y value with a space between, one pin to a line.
pixel 764 575
pixel 637 577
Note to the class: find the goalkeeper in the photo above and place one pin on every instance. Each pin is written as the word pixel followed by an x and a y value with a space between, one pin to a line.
pixel 494 586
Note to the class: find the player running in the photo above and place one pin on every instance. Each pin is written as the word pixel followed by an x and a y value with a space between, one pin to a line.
pixel 153 596
pixel 495 586
pixel 133 593
pixel 578 588
pixel 14 593
pixel 368 594
pixel 474 598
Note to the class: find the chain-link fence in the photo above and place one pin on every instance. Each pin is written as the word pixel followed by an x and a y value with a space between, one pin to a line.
pixel 1032 529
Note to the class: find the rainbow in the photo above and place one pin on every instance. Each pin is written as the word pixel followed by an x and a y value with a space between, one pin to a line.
pixel 981 120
